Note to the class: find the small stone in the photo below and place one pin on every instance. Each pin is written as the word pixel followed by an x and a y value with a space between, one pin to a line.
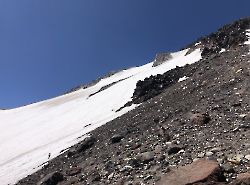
pixel 220 161
pixel 126 168
pixel 158 149
pixel 236 159
pixel 146 157
pixel 196 159
pixel 242 115
pixel 228 168
pixel 181 151
pixel 216 149
pixel 134 162
pixel 201 155
pixel 168 143
pixel 208 154
pixel 174 150
pixel 200 118
pixel 111 176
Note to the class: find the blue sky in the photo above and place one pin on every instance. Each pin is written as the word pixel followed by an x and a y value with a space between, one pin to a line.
pixel 49 46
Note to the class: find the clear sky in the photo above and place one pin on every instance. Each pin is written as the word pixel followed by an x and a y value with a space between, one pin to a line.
pixel 49 46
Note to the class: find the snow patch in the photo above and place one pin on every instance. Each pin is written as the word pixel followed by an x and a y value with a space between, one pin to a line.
pixel 198 43
pixel 30 133
pixel 182 78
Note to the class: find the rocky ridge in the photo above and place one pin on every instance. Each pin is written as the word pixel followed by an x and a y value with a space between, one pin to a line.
pixel 201 122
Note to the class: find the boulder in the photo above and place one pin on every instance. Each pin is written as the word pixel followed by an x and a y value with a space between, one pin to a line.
pixel 86 144
pixel 51 179
pixel 116 138
pixel 198 171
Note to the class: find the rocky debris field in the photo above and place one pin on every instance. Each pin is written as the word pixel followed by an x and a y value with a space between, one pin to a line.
pixel 228 36
pixel 192 132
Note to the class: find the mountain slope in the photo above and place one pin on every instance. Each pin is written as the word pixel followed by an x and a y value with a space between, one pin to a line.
pixel 163 120
pixel 46 128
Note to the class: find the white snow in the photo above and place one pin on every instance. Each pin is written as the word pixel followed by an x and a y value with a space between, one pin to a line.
pixel 198 43
pixel 248 34
pixel 182 78
pixel 222 50
pixel 30 133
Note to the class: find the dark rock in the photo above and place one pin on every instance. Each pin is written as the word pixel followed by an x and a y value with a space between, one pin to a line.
pixel 51 179
pixel 71 152
pixel 163 133
pixel 86 144
pixel 174 150
pixel 154 85
pixel 200 118
pixel 134 162
pixel 116 138
pixel 228 168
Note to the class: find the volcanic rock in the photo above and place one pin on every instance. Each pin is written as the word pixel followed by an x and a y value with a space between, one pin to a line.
pixel 242 179
pixel 86 144
pixel 198 171
pixel 200 118
pixel 161 58
pixel 174 150
pixel 116 138
pixel 51 179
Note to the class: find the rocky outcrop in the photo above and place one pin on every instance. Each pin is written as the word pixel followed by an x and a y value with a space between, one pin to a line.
pixel 92 83
pixel 227 37
pixel 160 58
pixel 154 85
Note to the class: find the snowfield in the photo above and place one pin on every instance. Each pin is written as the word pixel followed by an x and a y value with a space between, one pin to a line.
pixel 30 133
